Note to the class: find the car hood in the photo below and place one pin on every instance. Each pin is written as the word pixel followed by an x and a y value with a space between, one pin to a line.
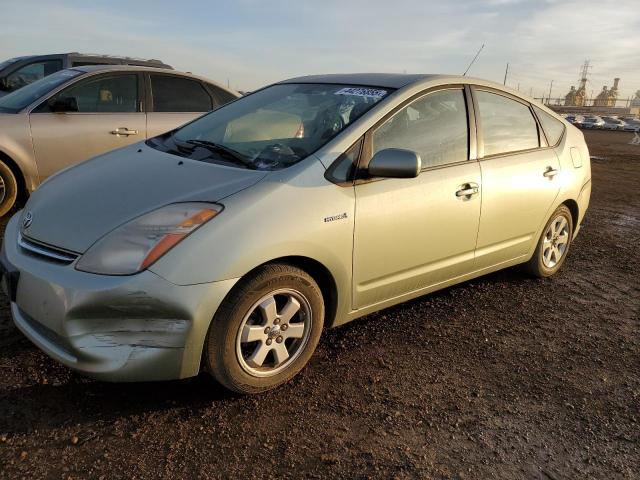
pixel 76 207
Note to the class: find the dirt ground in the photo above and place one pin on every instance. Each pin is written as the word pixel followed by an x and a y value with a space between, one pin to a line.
pixel 502 377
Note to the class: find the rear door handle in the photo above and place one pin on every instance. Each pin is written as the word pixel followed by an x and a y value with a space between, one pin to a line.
pixel 467 191
pixel 124 131
pixel 550 172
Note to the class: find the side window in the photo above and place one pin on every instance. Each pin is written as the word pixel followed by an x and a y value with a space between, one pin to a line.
pixel 553 128
pixel 32 72
pixel 435 126
pixel 175 94
pixel 220 95
pixel 103 94
pixel 507 125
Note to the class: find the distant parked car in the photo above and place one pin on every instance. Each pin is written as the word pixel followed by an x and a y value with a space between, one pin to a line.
pixel 19 72
pixel 78 113
pixel 612 123
pixel 574 119
pixel 592 122
pixel 631 125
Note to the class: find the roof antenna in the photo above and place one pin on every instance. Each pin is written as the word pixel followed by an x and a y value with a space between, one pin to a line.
pixel 473 61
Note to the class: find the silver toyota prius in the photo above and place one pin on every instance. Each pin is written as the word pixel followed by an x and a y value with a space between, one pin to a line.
pixel 228 244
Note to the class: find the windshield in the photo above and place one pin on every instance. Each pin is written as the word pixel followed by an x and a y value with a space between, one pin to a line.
pixel 16 101
pixel 272 128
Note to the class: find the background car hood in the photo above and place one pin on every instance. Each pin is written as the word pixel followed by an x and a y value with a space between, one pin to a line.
pixel 76 207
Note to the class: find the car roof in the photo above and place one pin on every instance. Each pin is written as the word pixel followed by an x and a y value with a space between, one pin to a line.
pixel 138 68
pixel 388 80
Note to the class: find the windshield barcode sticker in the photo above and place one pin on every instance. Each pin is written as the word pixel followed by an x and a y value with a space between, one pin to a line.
pixel 362 92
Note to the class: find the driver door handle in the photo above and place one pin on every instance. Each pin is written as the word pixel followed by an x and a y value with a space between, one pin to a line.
pixel 550 172
pixel 467 190
pixel 124 131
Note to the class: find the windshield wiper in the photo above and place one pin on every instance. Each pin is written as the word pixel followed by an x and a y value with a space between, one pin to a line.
pixel 236 156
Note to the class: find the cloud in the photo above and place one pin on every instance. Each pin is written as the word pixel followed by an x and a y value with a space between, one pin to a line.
pixel 254 42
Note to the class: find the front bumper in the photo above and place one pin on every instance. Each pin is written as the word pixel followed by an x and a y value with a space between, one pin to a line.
pixel 115 328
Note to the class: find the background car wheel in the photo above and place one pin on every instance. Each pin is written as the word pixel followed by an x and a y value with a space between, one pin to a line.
pixel 266 329
pixel 553 245
pixel 8 189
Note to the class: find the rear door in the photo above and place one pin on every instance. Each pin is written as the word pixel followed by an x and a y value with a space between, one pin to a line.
pixel 175 101
pixel 109 116
pixel 520 178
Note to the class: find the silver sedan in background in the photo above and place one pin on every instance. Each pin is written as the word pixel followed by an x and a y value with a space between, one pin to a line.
pixel 78 113
pixel 230 243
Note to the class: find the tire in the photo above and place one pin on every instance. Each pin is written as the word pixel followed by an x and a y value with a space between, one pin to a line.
pixel 244 345
pixel 8 189
pixel 545 262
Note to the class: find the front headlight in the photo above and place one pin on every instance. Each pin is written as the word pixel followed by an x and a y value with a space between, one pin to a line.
pixel 136 245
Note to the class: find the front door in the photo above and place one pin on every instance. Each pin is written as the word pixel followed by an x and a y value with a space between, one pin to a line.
pixel 108 116
pixel 414 233
pixel 520 179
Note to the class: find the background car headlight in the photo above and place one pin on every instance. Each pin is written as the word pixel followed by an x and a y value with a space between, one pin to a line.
pixel 136 245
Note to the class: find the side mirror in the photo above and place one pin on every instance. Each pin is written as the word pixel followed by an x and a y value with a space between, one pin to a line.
pixel 395 163
pixel 64 104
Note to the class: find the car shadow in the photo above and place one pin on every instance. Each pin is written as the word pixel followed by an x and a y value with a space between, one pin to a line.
pixel 82 401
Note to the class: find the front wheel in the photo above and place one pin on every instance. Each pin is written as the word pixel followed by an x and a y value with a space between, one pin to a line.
pixel 553 245
pixel 266 329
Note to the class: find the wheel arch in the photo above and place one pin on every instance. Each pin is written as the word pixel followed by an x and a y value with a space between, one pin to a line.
pixel 23 192
pixel 321 274
pixel 572 205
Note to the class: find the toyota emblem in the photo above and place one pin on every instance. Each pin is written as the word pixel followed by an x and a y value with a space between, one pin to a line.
pixel 27 220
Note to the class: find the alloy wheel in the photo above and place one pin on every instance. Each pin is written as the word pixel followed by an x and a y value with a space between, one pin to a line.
pixel 555 242
pixel 273 333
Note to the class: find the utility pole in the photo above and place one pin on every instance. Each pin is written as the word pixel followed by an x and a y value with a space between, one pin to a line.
pixel 506 71
pixel 518 86
pixel 550 87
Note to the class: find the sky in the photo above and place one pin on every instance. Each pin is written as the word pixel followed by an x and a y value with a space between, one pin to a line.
pixel 251 43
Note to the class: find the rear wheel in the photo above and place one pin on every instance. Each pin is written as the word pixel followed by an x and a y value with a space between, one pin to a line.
pixel 8 189
pixel 266 329
pixel 553 245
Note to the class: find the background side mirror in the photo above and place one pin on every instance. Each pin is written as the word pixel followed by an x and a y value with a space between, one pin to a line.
pixel 64 104
pixel 395 163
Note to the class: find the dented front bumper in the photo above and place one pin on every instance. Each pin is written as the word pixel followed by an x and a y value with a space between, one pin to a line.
pixel 116 328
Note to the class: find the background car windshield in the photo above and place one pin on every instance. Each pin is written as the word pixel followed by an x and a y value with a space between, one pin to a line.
pixel 16 101
pixel 8 62
pixel 280 125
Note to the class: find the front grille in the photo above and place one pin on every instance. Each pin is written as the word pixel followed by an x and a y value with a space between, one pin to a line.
pixel 42 250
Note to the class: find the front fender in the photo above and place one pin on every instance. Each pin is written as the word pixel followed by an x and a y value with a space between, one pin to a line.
pixel 300 215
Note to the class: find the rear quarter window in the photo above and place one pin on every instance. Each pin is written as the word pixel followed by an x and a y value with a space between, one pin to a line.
pixel 553 128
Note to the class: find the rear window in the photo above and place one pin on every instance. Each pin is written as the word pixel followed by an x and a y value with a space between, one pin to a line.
pixel 176 94
pixel 553 128
pixel 221 96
